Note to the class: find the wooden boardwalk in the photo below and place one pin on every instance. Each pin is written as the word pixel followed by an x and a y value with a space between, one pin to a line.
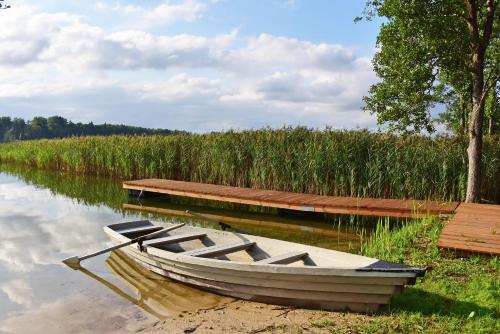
pixel 475 228
pixel 295 201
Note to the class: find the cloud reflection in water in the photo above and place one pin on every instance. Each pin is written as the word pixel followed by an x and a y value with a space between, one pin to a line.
pixel 37 292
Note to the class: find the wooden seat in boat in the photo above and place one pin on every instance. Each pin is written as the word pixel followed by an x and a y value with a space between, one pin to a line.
pixel 284 258
pixel 173 239
pixel 219 250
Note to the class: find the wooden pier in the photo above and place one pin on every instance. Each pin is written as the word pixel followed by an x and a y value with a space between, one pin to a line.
pixel 294 201
pixel 475 228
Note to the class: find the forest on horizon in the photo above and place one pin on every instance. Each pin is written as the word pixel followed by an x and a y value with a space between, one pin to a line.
pixel 12 129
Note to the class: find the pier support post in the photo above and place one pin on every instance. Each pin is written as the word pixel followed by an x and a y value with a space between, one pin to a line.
pixel 143 194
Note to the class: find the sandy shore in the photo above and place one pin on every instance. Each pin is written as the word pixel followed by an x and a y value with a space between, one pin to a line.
pixel 248 317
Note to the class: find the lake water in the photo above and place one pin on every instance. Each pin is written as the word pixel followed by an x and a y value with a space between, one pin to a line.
pixel 47 216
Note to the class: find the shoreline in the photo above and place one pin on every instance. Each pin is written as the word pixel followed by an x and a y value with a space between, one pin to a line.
pixel 241 316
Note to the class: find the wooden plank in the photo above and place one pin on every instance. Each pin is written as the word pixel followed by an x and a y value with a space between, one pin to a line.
pixel 468 242
pixel 468 247
pixel 214 251
pixel 477 223
pixel 174 239
pixel 456 230
pixel 469 238
pixel 295 201
pixel 475 228
pixel 284 258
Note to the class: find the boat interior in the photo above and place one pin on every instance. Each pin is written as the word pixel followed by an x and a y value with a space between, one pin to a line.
pixel 230 246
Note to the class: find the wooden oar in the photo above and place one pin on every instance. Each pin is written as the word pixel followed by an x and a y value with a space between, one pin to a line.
pixel 75 260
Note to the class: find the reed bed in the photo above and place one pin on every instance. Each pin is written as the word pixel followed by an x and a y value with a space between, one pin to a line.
pixel 327 162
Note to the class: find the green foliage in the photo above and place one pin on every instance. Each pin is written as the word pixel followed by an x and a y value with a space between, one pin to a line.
pixel 59 127
pixel 424 59
pixel 341 163
pixel 492 111
pixel 455 118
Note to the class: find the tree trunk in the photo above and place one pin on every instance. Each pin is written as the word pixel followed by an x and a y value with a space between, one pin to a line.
pixel 474 152
pixel 476 128
pixel 479 45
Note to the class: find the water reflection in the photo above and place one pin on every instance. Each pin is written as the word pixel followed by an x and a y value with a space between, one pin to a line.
pixel 86 190
pixel 77 313
pixel 48 216
pixel 155 294
pixel 37 293
pixel 38 228
pixel 330 231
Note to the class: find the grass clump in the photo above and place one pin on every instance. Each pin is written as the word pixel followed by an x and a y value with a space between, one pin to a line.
pixel 325 323
pixel 457 295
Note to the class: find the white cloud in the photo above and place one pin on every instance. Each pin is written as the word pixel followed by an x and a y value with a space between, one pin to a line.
pixel 179 87
pixel 56 63
pixel 44 240
pixel 275 52
pixel 167 12
pixel 68 42
pixel 26 33
pixel 18 291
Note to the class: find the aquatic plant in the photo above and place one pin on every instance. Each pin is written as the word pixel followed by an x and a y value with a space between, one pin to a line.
pixel 328 162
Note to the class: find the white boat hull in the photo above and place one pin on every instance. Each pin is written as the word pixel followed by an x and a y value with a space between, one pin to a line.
pixel 321 287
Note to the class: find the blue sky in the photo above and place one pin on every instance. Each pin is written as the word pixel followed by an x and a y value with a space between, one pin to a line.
pixel 198 65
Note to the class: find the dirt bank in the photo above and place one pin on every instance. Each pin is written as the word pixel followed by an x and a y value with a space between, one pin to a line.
pixel 248 317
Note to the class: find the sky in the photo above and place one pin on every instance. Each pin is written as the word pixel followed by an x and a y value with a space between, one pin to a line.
pixel 195 65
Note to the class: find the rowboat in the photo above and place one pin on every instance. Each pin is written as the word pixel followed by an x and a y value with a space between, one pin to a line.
pixel 263 269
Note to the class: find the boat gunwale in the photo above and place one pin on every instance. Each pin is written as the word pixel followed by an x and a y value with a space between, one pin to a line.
pixel 270 279
pixel 408 272
pixel 231 272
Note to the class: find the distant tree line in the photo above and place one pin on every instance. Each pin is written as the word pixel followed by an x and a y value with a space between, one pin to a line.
pixel 58 127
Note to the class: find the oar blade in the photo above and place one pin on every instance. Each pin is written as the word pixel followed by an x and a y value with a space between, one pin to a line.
pixel 72 262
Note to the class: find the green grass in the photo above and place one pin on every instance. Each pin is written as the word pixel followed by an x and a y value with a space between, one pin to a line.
pixel 342 163
pixel 457 295
pixel 325 323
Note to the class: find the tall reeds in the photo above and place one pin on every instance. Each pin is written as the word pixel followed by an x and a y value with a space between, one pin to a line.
pixel 344 163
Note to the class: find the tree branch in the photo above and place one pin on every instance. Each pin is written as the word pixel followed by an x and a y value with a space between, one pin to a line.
pixel 472 19
pixel 487 87
pixel 488 25
pixel 493 71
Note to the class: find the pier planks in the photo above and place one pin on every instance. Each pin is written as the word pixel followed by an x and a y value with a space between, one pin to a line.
pixel 475 228
pixel 294 201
